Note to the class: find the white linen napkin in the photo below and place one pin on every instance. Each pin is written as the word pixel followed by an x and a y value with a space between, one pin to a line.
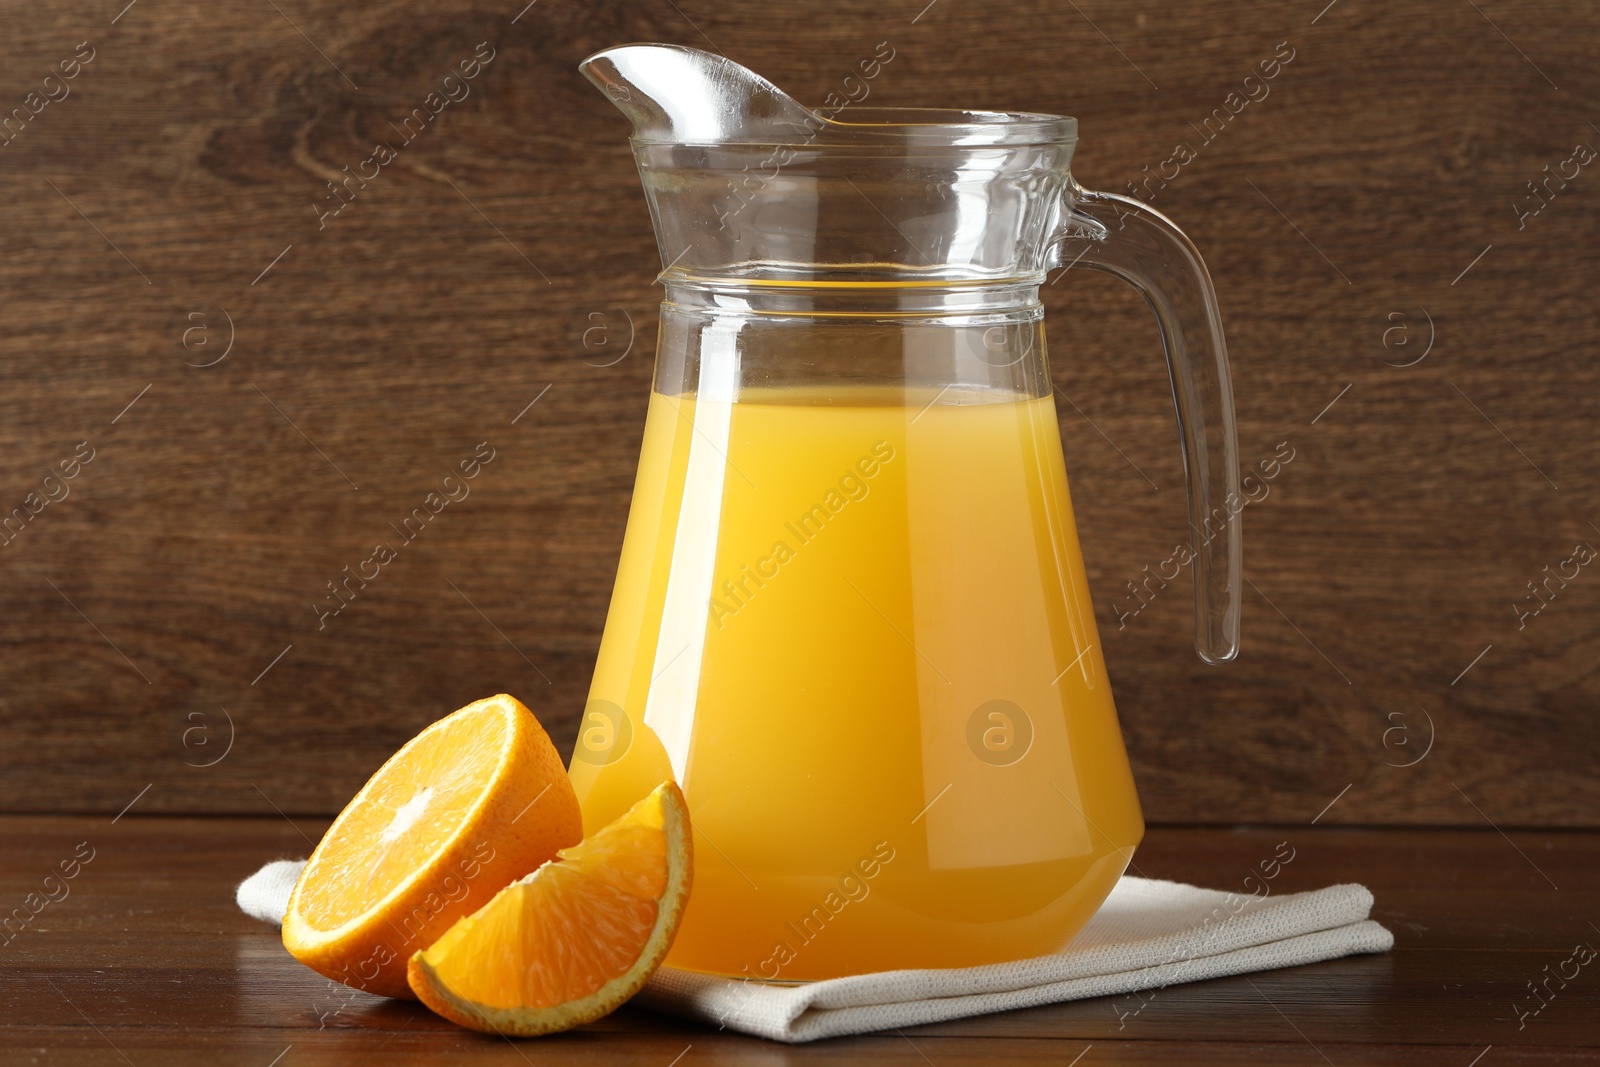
pixel 1149 934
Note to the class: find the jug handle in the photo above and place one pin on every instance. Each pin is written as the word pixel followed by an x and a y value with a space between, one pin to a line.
pixel 1127 238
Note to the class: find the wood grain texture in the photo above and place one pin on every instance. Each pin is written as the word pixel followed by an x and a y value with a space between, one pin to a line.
pixel 148 956
pixel 176 189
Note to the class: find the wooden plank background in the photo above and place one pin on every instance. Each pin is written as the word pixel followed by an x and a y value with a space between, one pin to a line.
pixel 160 615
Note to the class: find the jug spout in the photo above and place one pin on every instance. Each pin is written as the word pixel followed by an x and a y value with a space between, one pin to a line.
pixel 745 182
pixel 681 95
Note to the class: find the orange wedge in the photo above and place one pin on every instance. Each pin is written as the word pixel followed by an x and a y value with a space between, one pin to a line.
pixel 472 802
pixel 574 939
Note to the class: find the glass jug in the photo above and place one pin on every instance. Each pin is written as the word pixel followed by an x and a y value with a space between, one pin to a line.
pixel 851 618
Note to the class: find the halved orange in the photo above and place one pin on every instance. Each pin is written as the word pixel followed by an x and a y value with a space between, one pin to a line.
pixel 574 939
pixel 474 801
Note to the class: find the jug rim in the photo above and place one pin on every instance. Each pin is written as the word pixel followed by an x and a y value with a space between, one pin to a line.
pixel 927 126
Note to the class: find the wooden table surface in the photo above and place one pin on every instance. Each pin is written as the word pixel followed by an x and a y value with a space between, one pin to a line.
pixel 145 960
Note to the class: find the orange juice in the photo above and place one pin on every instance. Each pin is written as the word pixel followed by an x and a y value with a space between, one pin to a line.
pixel 855 627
